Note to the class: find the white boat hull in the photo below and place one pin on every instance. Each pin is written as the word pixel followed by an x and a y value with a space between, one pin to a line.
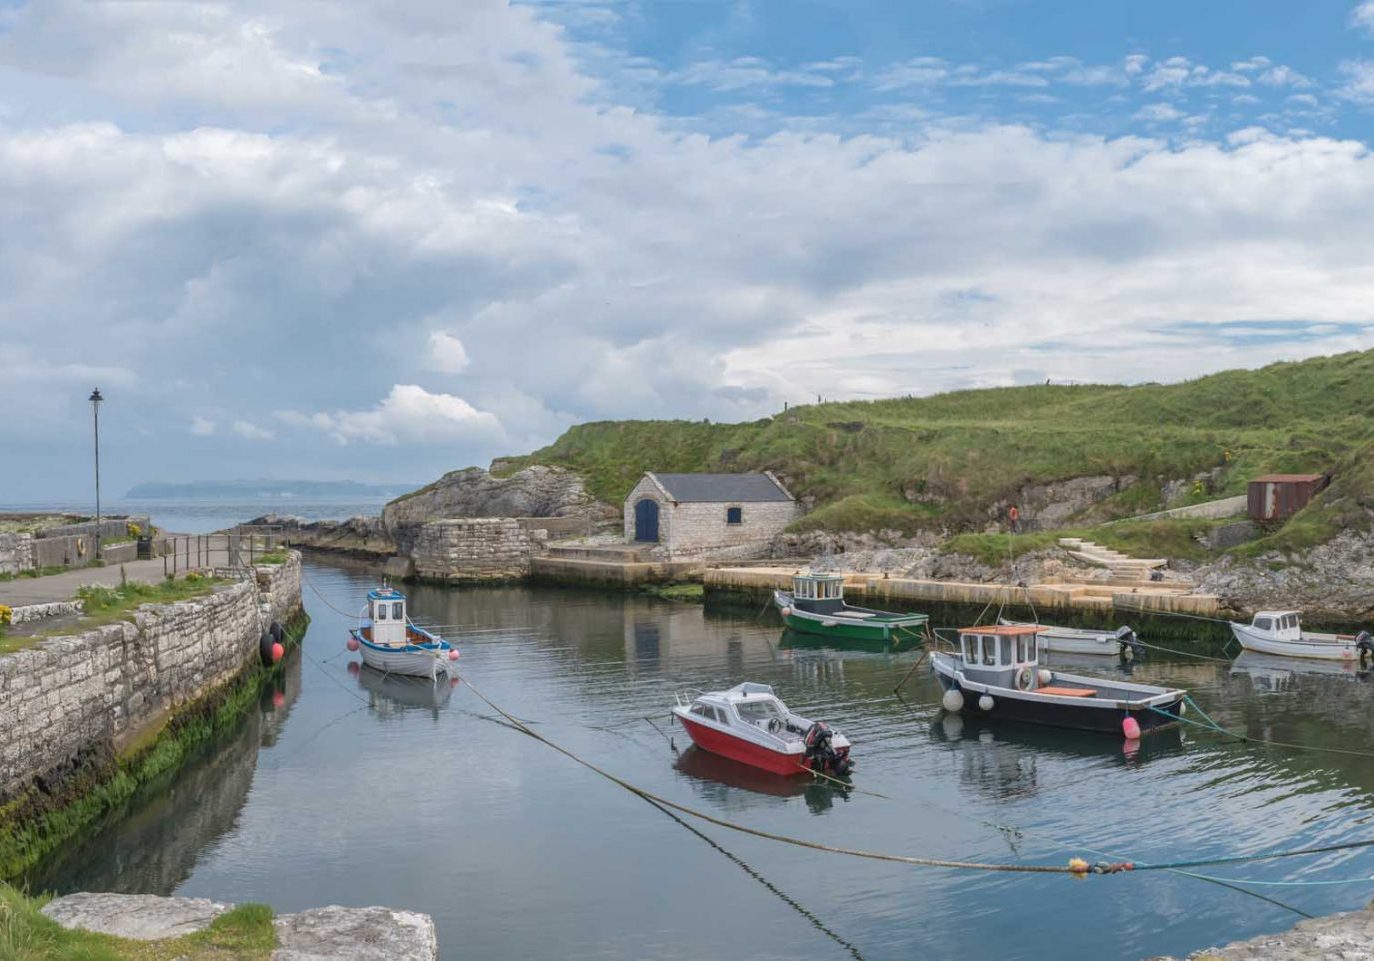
pixel 1321 647
pixel 413 663
pixel 1073 640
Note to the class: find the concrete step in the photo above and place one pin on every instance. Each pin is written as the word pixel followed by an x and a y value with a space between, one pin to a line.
pixel 608 553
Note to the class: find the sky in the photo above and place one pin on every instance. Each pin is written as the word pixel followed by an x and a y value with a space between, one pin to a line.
pixel 379 241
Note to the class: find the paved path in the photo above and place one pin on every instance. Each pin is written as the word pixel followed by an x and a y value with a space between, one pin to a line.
pixel 62 587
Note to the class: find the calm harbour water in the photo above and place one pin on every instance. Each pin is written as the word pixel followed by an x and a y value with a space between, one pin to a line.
pixel 347 787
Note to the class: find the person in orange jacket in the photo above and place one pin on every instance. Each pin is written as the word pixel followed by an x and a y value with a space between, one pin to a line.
pixel 1014 517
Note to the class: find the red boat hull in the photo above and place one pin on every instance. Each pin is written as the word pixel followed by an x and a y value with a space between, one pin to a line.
pixel 709 739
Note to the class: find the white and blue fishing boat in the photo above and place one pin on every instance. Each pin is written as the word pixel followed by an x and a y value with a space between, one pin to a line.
pixel 995 672
pixel 390 642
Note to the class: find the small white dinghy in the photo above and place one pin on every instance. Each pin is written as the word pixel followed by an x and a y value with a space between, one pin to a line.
pixel 1121 642
pixel 391 643
pixel 1281 633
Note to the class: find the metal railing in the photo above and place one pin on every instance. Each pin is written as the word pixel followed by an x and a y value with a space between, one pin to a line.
pixel 237 549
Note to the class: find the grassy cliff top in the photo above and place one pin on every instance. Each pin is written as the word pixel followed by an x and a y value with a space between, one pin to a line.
pixel 945 460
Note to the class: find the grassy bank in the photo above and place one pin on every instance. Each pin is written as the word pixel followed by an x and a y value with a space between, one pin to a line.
pixel 243 934
pixel 40 819
pixel 942 462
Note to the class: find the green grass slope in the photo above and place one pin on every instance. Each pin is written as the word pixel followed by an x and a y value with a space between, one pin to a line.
pixel 941 461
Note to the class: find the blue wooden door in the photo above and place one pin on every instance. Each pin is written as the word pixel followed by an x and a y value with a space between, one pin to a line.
pixel 646 520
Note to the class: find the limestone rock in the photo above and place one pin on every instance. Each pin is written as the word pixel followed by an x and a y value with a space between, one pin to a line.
pixel 336 933
pixel 536 491
pixel 143 917
pixel 1329 582
pixel 1339 936
pixel 356 535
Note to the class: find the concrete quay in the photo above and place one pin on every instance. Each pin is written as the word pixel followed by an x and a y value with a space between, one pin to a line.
pixel 1147 596
pixel 1337 937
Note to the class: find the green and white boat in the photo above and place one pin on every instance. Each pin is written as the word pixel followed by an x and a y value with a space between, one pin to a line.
pixel 816 606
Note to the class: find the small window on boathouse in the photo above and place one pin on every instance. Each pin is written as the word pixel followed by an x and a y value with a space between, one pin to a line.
pixel 989 651
pixel 396 611
pixel 381 612
pixel 1006 649
pixel 734 515
pixel 1263 623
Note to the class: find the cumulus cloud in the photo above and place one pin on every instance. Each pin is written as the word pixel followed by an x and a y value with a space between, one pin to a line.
pixel 250 431
pixel 444 181
pixel 1158 113
pixel 446 353
pixel 1362 17
pixel 201 427
pixel 408 415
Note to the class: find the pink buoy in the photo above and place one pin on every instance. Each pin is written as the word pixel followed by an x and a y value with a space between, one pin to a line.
pixel 277 651
pixel 1131 728
pixel 453 655
pixel 353 644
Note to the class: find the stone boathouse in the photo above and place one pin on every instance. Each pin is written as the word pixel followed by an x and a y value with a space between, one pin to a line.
pixel 722 516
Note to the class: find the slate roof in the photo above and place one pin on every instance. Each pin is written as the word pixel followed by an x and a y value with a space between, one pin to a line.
pixel 721 488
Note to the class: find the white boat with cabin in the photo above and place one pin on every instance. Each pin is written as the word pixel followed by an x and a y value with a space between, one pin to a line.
pixel 390 642
pixel 1121 642
pixel 1281 633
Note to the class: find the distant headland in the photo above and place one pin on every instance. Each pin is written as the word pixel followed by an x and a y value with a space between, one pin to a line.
pixel 259 489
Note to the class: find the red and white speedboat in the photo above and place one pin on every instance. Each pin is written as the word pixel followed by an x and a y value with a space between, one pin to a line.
pixel 749 724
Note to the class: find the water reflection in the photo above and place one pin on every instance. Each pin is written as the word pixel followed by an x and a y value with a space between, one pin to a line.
pixel 151 843
pixel 713 771
pixel 395 694
pixel 519 853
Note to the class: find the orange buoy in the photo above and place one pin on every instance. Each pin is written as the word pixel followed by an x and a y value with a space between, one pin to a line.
pixel 277 651
pixel 453 654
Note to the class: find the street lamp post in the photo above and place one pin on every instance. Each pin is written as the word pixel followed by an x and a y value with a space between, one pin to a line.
pixel 95 400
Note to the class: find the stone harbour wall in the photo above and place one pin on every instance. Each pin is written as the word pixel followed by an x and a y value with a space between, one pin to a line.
pixel 476 549
pixel 16 553
pixel 100 690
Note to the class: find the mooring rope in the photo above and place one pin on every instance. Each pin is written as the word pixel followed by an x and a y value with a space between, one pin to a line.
pixel 1170 650
pixel 1074 868
pixel 1208 724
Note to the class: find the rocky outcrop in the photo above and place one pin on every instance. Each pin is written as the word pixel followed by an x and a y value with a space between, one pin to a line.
pixel 1329 582
pixel 533 492
pixel 357 535
pixel 1334 938
pixel 334 932
pixel 1047 506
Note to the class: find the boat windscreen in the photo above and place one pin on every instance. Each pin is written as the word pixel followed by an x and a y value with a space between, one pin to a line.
pixel 762 710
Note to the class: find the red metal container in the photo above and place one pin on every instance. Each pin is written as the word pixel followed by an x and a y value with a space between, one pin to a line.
pixel 1277 497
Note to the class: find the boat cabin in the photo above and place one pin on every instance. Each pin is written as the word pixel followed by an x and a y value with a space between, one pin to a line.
pixel 1279 625
pixel 386 608
pixel 818 593
pixel 997 653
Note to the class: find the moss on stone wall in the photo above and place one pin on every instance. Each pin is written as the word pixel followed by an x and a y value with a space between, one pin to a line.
pixel 58 804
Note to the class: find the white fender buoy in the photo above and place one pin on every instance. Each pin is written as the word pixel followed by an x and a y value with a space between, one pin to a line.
pixel 986 703
pixel 787 612
pixel 1045 677
pixel 953 701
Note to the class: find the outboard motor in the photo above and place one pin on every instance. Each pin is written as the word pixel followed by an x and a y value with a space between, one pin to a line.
pixel 1128 643
pixel 821 752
